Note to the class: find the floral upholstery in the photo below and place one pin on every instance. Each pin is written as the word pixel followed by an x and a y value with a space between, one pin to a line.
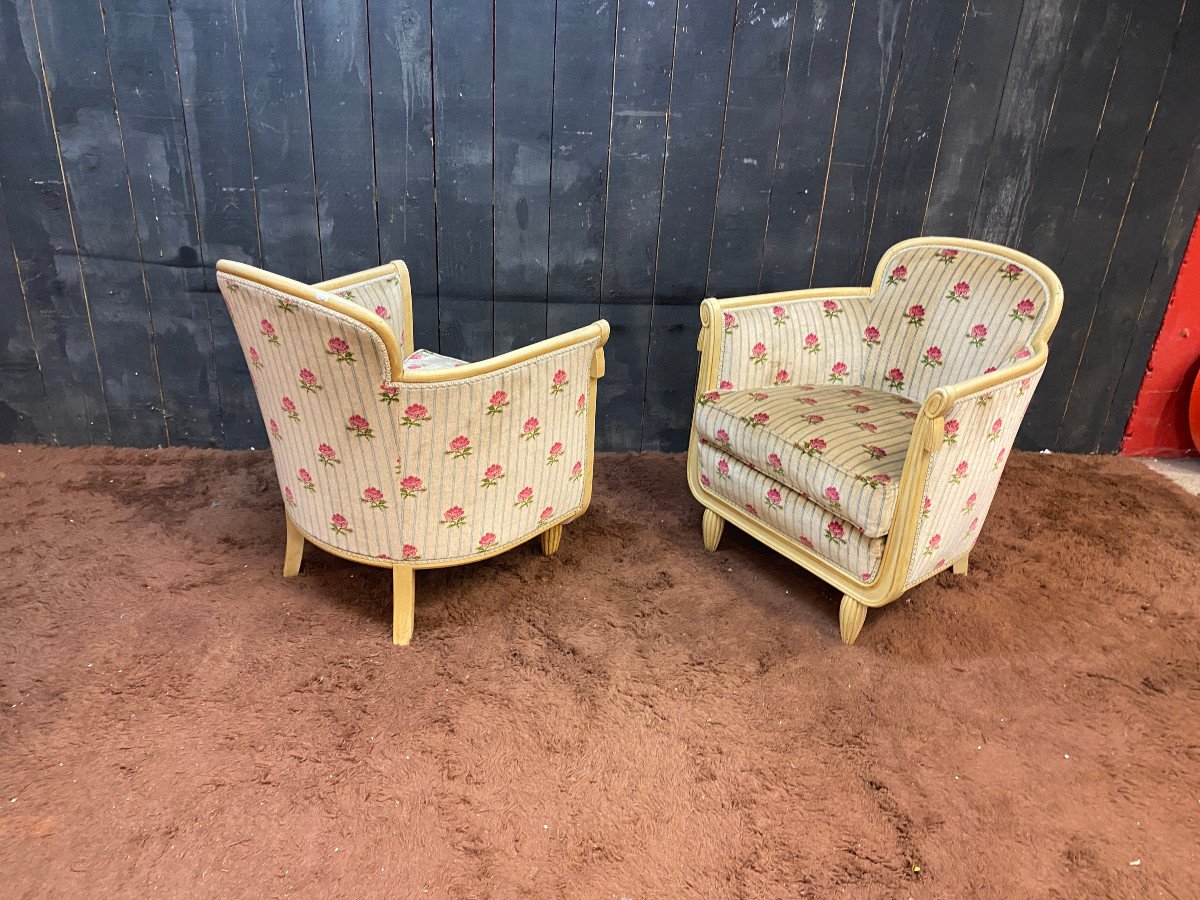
pixel 819 411
pixel 427 359
pixel 434 472
pixel 384 296
pixel 839 447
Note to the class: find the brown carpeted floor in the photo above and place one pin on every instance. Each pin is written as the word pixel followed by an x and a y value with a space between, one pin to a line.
pixel 633 718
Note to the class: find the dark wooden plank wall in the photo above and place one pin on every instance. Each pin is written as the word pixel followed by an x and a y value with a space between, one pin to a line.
pixel 539 163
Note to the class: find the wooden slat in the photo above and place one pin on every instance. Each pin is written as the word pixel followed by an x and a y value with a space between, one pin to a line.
pixel 74 56
pixel 43 242
pixel 935 33
pixel 141 54
pixel 988 43
pixel 523 126
pixel 759 69
pixel 401 75
pixel 820 42
pixel 876 44
pixel 1020 125
pixel 214 108
pixel 462 84
pixel 699 83
pixel 583 70
pixel 273 64
pixel 641 96
pixel 1098 219
pixel 24 417
pixel 339 85
pixel 1161 168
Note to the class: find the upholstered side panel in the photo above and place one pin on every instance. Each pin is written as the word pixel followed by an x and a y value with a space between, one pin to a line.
pixel 789 514
pixel 384 296
pixel 796 342
pixel 964 473
pixel 946 314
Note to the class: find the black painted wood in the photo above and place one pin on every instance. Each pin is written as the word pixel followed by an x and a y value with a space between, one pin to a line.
pixel 584 44
pixel 523 126
pixel 142 57
pixel 696 114
pixel 641 96
pixel 402 78
pixel 75 58
pixel 43 246
pixel 483 144
pixel 757 75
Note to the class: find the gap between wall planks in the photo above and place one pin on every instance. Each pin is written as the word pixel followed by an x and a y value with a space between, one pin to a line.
pixel 541 164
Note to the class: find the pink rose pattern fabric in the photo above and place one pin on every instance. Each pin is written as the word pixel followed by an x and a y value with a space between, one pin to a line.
pixel 420 473
pixel 383 296
pixel 964 474
pixel 941 316
pixel 839 447
pixel 947 318
pixel 427 359
pixel 783 509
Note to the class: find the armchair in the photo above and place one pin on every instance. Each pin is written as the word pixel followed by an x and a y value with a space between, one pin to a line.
pixel 407 459
pixel 861 432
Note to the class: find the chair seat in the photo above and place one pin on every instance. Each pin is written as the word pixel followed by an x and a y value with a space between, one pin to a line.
pixel 427 359
pixel 841 448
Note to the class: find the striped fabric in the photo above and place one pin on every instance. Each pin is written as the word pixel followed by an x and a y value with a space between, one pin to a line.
pixel 840 447
pixel 790 514
pixel 965 472
pixel 942 315
pixel 420 473
pixel 384 296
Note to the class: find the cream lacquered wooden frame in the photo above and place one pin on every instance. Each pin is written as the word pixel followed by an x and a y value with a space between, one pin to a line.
pixel 927 437
pixel 397 350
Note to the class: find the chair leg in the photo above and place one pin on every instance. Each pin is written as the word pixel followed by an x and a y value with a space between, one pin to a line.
pixel 295 549
pixel 551 538
pixel 960 565
pixel 403 601
pixel 713 525
pixel 851 617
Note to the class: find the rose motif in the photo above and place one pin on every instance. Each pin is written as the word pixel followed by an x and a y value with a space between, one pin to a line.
pixel 556 450
pixel 454 517
pixel 274 428
pixel 373 496
pixel 414 415
pixel 327 455
pixel 460 447
pixel 725 386
pixel 835 532
pixel 723 467
pixel 730 323
pixel 305 479
pixel 558 382
pixel 775 462
pixel 288 495
pixel 496 404
pixel 774 499
pixel 812 344
pixel 947 255
pixel 524 497
pixel 1023 310
pixel 339 349
pixel 833 497
pixel 308 381
pixel 389 393
pixel 838 372
pixel 547 513
pixel 871 336
pixel 530 429
pixel 915 315
pixel 782 377
pixel 492 475
pixel 577 470
pixel 409 552
pixel 255 358
pixel 411 485
pixel 360 427
pixel 382 312
pixel 898 275
pixel 486 542
pixel 932 357
pixel 581 405
pixel 758 353
pixel 960 291
pixel 978 334
pixel 1011 271
pixel 268 331
pixel 895 379
pixel 339 524
pixel 722 436
pixel 831 309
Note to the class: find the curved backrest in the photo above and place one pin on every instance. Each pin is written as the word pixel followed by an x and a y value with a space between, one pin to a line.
pixel 948 310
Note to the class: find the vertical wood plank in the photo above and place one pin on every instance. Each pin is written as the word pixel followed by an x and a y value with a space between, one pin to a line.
pixel 402 77
pixel 1142 238
pixel 584 52
pixel 935 32
pixel 75 58
pixel 1099 217
pixel 273 62
pixel 24 417
pixel 761 44
pixel 214 109
pixel 524 108
pixel 46 256
pixel 699 84
pixel 876 45
pixel 641 91
pixel 1028 92
pixel 820 43
pixel 141 54
pixel 988 44
pixel 339 84
pixel 462 85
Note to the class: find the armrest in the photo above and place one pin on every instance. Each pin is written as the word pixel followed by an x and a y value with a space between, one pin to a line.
pixel 959 449
pixel 779 338
pixel 385 290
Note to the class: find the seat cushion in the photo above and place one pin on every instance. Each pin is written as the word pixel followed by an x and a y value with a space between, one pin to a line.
pixel 427 359
pixel 841 447
pixel 784 510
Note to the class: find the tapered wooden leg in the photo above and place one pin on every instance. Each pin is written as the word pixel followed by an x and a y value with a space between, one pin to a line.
pixel 851 617
pixel 713 525
pixel 295 549
pixel 551 538
pixel 403 601
pixel 960 566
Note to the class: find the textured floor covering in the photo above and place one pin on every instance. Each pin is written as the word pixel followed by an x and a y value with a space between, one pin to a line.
pixel 632 718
